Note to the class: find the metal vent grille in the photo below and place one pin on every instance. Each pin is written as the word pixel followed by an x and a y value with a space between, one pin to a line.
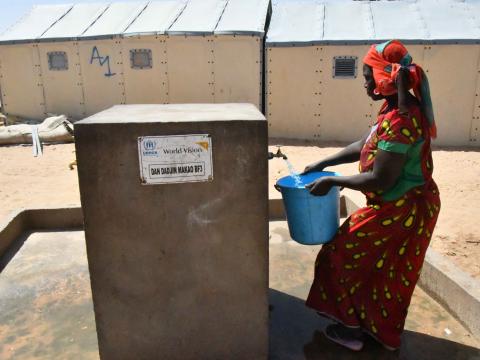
pixel 345 67
pixel 141 58
pixel 57 61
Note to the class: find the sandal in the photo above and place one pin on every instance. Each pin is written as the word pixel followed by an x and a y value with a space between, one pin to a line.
pixel 389 348
pixel 334 333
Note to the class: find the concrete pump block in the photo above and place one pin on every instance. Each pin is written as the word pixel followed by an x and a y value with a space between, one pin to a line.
pixel 175 204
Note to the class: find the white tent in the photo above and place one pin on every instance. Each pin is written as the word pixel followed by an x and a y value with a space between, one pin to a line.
pixel 314 64
pixel 80 59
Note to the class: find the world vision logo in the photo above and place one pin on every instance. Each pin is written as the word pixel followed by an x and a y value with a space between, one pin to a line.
pixel 203 144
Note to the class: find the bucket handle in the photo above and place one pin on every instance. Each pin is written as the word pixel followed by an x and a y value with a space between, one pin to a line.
pixel 279 189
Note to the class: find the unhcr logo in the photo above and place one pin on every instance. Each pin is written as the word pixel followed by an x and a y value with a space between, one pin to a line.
pixel 149 145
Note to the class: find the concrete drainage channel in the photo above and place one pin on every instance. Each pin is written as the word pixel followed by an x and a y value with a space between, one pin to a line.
pixel 455 290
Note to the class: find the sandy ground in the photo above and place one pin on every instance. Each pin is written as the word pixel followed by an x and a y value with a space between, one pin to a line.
pixel 47 182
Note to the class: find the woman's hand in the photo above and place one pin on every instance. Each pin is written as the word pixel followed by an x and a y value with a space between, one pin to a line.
pixel 403 81
pixel 317 166
pixel 320 186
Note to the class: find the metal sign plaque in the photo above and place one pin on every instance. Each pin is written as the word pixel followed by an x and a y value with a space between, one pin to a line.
pixel 175 159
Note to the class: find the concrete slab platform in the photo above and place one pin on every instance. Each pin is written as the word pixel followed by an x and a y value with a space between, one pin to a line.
pixel 45 299
pixel 296 331
pixel 47 310
pixel 456 291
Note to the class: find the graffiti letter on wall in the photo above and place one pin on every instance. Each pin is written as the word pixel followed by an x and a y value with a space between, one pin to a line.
pixel 102 60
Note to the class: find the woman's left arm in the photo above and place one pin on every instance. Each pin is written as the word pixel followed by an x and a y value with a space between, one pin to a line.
pixel 386 171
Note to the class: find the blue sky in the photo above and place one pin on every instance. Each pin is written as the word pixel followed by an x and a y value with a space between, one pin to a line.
pixel 12 10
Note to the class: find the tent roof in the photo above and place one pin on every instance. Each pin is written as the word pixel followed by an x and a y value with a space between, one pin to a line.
pixel 245 16
pixel 116 19
pixel 90 20
pixel 346 21
pixel 199 16
pixel 36 22
pixel 157 17
pixel 75 22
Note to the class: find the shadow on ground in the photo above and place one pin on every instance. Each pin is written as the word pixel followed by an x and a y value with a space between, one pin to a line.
pixel 296 333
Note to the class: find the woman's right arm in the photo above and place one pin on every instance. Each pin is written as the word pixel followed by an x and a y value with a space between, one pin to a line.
pixel 349 154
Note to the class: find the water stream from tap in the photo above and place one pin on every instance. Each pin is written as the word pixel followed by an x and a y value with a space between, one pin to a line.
pixel 295 175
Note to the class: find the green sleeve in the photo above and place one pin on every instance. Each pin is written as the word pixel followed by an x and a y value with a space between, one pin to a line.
pixel 393 146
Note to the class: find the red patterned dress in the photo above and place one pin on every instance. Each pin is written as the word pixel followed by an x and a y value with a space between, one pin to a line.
pixel 366 275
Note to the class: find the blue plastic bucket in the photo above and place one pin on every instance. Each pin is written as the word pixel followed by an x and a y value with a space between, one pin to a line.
pixel 312 220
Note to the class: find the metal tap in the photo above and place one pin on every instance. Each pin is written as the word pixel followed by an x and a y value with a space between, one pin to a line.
pixel 278 154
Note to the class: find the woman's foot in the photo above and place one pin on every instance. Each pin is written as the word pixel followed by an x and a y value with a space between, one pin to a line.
pixel 389 348
pixel 350 338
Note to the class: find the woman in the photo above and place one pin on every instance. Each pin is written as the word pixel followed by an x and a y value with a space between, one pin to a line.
pixel 365 277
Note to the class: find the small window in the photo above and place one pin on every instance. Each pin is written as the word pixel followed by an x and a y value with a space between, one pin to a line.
pixel 345 67
pixel 141 58
pixel 57 61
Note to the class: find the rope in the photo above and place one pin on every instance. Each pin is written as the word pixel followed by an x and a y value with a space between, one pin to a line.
pixel 37 144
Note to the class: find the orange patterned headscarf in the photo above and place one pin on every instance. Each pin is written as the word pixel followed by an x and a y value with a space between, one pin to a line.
pixel 386 60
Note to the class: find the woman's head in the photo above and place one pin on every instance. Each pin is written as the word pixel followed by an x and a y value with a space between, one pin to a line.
pixel 383 62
